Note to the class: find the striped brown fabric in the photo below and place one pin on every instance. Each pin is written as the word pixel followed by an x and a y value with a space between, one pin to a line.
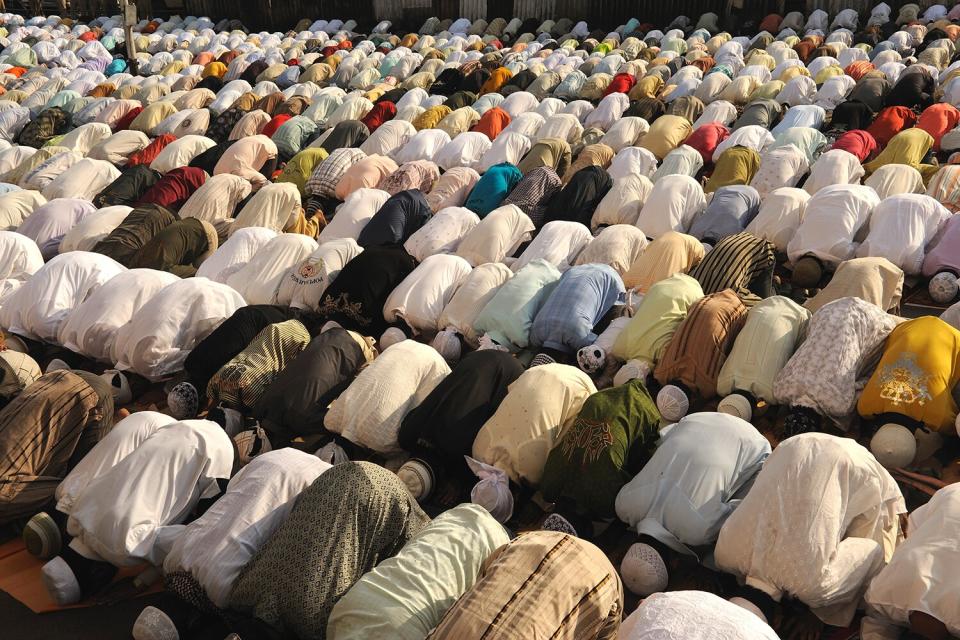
pixel 39 433
pixel 698 349
pixel 742 262
pixel 543 584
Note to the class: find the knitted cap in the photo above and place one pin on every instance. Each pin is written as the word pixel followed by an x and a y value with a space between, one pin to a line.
pixel 154 624
pixel 418 477
pixel 737 405
pixel 390 337
pixel 943 287
pixel 643 570
pixel 673 403
pixel 447 345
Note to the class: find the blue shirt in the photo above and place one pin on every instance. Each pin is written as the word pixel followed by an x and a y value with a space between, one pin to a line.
pixel 581 298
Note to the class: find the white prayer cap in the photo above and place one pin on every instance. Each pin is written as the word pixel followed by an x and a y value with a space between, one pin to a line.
pixel 707 247
pixel 893 445
pixel 631 370
pixel 493 491
pixel 154 624
pixel 390 337
pixel 743 603
pixel 183 401
pixel 944 287
pixel 60 582
pixel 673 403
pixel 120 385
pixel 737 405
pixel 643 570
pixel 592 358
pixel 418 477
pixel 251 443
pixel 447 345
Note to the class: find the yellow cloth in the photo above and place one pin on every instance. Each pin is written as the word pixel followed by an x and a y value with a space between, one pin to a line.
pixel 667 133
pixel 916 374
pixel 907 147
pixel 736 165
pixel 661 311
pixel 669 254
pixel 539 408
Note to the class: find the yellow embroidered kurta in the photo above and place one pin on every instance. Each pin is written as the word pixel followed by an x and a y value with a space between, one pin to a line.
pixel 916 374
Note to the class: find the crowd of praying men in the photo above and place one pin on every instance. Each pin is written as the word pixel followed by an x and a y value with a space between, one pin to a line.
pixel 506 329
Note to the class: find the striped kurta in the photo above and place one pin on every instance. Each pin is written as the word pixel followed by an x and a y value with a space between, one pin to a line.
pixel 698 349
pixel 241 382
pixel 543 584
pixel 742 262
pixel 40 430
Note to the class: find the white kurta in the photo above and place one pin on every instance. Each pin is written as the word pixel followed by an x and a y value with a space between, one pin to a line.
pixel 672 205
pixel 275 206
pixel 258 281
pixel 497 236
pixel 559 243
pixel 819 522
pixel 41 306
pixel 83 180
pixel 422 296
pixel 780 215
pixel 85 235
pixel 901 227
pixel 539 408
pixel 442 233
pixel 836 166
pixel 823 373
pixel 216 547
pixel 180 152
pixel 370 410
pixel 132 511
pixel 692 615
pixel 92 327
pixel 236 252
pixel 304 283
pixel 161 335
pixel 623 202
pixel 16 206
pixel 216 198
pixel 831 221
pixel 922 574
pixel 476 290
pixel 123 439
pixel 354 214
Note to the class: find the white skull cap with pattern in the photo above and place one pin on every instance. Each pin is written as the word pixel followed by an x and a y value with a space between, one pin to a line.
pixel 418 478
pixel 591 358
pixel 643 570
pixel 944 287
pixel 447 345
pixel 390 337
pixel 154 624
pixel 737 405
pixel 493 491
pixel 631 370
pixel 893 445
pixel 673 403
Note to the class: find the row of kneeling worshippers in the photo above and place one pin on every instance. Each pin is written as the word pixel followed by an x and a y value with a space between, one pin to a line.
pixel 829 137
pixel 612 308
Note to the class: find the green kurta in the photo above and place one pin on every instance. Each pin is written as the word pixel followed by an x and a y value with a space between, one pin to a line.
pixel 612 437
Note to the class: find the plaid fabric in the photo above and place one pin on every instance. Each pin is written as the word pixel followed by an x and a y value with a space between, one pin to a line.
pixel 533 193
pixel 323 181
